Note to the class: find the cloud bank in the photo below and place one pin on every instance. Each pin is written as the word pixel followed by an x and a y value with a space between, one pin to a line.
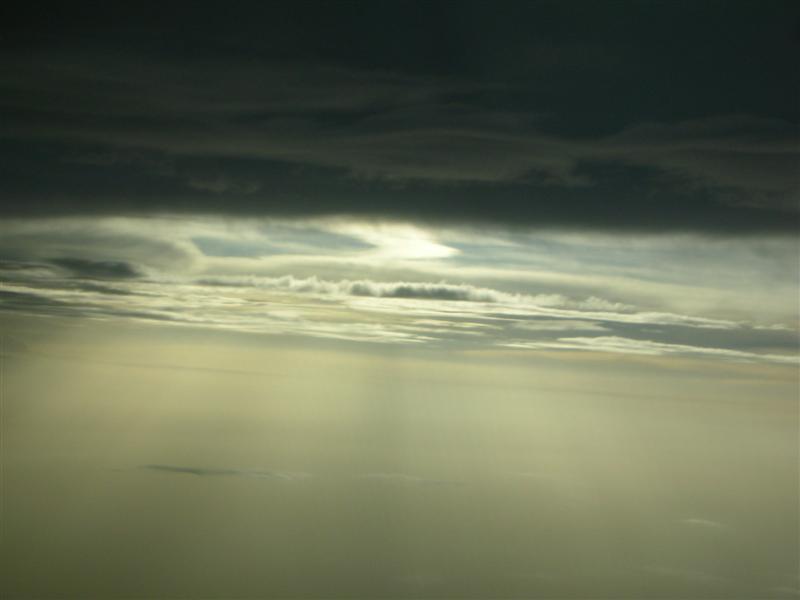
pixel 520 129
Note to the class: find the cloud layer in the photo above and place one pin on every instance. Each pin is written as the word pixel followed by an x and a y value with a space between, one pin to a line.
pixel 393 284
pixel 529 131
pixel 460 316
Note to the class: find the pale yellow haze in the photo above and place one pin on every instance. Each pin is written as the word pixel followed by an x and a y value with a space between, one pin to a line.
pixel 355 473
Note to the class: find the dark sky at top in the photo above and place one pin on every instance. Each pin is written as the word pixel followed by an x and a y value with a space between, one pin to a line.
pixel 676 116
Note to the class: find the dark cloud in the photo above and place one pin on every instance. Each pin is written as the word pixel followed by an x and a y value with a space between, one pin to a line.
pixel 87 286
pixel 211 472
pixel 220 184
pixel 396 478
pixel 48 276
pixel 190 470
pixel 28 303
pixel 82 248
pixel 583 118
pixel 97 269
pixel 50 300
pixel 15 266
pixel 368 288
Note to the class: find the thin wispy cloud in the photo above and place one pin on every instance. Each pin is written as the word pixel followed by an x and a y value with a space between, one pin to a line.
pixel 406 312
pixel 703 578
pixel 227 472
pixel 620 345
pixel 704 523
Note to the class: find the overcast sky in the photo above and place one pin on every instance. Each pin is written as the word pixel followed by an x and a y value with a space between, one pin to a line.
pixel 400 299
pixel 615 116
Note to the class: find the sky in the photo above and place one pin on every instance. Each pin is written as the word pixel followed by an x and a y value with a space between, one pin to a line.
pixel 400 300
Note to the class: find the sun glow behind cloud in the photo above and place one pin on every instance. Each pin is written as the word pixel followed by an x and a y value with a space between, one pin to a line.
pixel 392 241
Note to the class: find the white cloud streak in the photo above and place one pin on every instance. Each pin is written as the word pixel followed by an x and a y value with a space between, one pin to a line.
pixel 620 345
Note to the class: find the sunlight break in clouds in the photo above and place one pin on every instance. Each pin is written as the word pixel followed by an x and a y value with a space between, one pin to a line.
pixel 395 242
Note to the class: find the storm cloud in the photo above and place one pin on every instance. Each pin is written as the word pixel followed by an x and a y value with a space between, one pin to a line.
pixel 195 123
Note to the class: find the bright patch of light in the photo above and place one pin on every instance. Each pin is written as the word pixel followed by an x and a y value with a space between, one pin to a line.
pixel 396 241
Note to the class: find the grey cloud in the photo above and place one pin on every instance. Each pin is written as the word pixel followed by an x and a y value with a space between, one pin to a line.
pixel 576 55
pixel 704 523
pixel 418 134
pixel 515 306
pixel 49 276
pixel 310 139
pixel 520 307
pixel 87 248
pixel 737 152
pixel 28 302
pixel 97 288
pixel 65 299
pixel 97 269
pixel 432 291
pixel 400 478
pixel 221 184
pixel 560 325
pixel 17 266
pixel 190 470
pixel 211 472
pixel 129 86
pixel 365 310
pixel 620 345
pixel 414 290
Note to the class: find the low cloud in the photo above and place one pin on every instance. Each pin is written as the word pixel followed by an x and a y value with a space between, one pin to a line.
pixel 560 325
pixel 704 523
pixel 112 248
pixel 152 270
pixel 388 477
pixel 514 306
pixel 413 290
pixel 216 472
pixel 421 313
pixel 620 345
pixel 97 269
